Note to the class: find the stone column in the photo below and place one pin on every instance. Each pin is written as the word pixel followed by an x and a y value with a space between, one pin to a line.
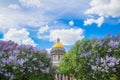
pixel 59 76
pixel 66 78
pixel 63 77
pixel 70 78
pixel 53 57
pixel 56 77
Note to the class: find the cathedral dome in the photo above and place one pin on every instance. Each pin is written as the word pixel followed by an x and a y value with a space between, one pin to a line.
pixel 58 44
pixel 58 47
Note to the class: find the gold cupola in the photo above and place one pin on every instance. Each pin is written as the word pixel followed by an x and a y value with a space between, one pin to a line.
pixel 58 44
pixel 58 48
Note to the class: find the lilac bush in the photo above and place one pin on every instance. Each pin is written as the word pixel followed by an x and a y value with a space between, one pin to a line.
pixel 24 62
pixel 101 58
pixel 95 59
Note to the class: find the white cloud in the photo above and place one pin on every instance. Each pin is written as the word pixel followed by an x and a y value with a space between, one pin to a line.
pixel 71 23
pixel 10 18
pixel 14 6
pixel 36 13
pixel 19 36
pixel 48 50
pixel 98 21
pixel 67 36
pixel 56 8
pixel 104 8
pixel 36 17
pixel 4 22
pixel 43 29
pixel 30 3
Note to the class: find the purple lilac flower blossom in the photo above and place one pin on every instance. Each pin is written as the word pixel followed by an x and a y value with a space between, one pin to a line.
pixel 113 44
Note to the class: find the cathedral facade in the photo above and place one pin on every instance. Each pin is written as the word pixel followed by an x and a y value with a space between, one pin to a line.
pixel 57 52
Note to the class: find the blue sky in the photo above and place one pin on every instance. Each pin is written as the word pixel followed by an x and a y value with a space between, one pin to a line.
pixel 40 22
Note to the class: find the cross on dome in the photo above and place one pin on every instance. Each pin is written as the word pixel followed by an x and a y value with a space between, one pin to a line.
pixel 58 39
pixel 58 44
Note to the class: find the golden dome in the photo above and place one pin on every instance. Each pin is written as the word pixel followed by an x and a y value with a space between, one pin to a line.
pixel 58 44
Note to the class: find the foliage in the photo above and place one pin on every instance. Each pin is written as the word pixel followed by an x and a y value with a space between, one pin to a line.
pixel 24 62
pixel 95 59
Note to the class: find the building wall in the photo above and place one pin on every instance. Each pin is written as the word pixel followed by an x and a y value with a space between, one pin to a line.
pixel 56 58
pixel 62 77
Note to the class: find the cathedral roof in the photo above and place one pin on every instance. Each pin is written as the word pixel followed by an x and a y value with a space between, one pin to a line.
pixel 58 48
pixel 58 44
